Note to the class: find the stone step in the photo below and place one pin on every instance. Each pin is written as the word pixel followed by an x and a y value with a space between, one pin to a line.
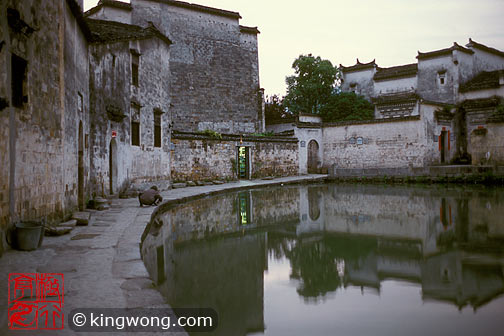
pixel 191 184
pixel 82 217
pixel 102 207
pixel 178 185
pixel 57 230
pixel 218 182
pixel 70 223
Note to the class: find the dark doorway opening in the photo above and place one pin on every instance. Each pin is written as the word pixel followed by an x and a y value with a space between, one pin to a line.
pixel 443 145
pixel 313 148
pixel 113 166
pixel 80 169
pixel 243 162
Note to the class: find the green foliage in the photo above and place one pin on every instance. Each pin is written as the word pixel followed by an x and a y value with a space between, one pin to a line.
pixel 315 89
pixel 212 134
pixel 274 108
pixel 312 85
pixel 345 106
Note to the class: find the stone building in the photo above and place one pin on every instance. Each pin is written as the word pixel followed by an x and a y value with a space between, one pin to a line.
pixel 88 101
pixel 44 105
pixel 213 62
pixel 130 105
pixel 443 109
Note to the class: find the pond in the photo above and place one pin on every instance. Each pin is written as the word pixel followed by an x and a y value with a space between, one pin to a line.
pixel 336 259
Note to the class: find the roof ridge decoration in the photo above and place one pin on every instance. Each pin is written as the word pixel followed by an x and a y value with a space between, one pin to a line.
pixel 475 45
pixel 359 66
pixel 442 52
pixel 249 30
pixel 104 31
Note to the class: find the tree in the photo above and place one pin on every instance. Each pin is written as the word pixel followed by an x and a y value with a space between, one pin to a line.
pixel 344 106
pixel 274 108
pixel 312 85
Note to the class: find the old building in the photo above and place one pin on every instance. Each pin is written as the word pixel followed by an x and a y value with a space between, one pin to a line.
pixel 130 105
pixel 213 62
pixel 88 102
pixel 446 108
pixel 44 120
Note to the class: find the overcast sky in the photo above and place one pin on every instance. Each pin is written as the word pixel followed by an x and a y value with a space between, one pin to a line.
pixel 390 31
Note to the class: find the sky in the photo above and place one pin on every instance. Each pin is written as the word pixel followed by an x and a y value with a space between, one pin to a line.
pixel 390 31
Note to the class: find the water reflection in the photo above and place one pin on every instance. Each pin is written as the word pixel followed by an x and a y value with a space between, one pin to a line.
pixel 245 254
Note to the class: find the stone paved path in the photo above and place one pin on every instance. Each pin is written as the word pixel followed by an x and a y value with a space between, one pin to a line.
pixel 102 263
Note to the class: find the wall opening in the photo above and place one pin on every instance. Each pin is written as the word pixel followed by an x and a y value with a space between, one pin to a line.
pixel 313 158
pixel 18 80
pixel 157 128
pixel 243 162
pixel 135 125
pixel 113 166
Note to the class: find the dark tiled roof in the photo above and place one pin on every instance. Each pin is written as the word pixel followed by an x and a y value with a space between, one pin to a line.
pixel 359 66
pixel 481 102
pixel 108 3
pixel 483 80
pixel 395 98
pixel 474 44
pixel 249 30
pixel 442 52
pixel 200 8
pixel 408 70
pixel 110 31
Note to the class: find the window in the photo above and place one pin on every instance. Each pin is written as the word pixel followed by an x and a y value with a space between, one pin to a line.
pixel 442 77
pixel 135 63
pixel 135 125
pixel 80 103
pixel 18 81
pixel 157 127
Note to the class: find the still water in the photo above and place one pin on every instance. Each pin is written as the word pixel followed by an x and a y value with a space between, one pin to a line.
pixel 337 259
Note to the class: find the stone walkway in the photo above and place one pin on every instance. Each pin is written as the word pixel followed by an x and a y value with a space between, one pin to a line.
pixel 101 262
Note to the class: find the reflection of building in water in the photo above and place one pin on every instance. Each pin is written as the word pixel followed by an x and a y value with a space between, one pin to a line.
pixel 225 274
pixel 213 251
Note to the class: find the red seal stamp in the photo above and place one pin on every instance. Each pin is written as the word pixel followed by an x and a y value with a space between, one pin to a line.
pixel 35 301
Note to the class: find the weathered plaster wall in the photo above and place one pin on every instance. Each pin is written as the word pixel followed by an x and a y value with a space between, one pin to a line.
pixel 5 113
pixel 394 85
pixel 215 79
pixel 484 61
pixel 110 85
pixel 39 133
pixel 385 145
pixel 487 148
pixel 76 113
pixel 199 158
pixel 304 135
pixel 429 87
pixel 364 81
pixel 112 14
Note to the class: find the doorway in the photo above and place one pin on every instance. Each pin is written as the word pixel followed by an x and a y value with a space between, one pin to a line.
pixel 113 166
pixel 443 145
pixel 243 162
pixel 80 169
pixel 313 149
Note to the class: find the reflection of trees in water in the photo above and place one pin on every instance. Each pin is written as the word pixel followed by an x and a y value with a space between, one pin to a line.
pixel 318 261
